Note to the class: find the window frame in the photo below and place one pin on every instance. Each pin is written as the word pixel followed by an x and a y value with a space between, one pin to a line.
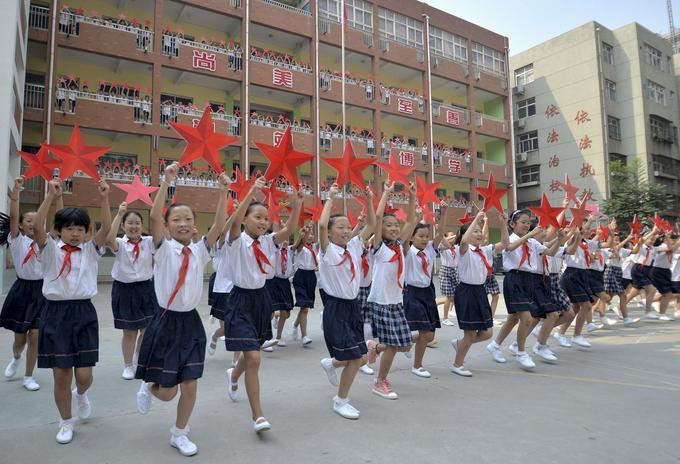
pixel 653 56
pixel 528 140
pixel 527 105
pixel 529 175
pixel 613 127
pixel 492 60
pixel 607 52
pixel 656 92
pixel 610 89
pixel 403 29
pixel 526 73
pixel 448 45
pixel 363 8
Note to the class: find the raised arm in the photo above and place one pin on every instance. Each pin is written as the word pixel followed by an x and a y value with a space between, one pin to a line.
pixel 115 225
pixel 39 225
pixel 467 236
pixel 215 231
pixel 240 212
pixel 14 207
pixel 323 221
pixel 103 232
pixel 485 232
pixel 443 219
pixel 157 224
pixel 285 233
pixel 379 213
pixel 411 222
pixel 505 238
pixel 518 243
pixel 369 227
pixel 302 238
pixel 574 241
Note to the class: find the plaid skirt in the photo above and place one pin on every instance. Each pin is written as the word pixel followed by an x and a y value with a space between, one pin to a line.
pixel 491 286
pixel 448 279
pixel 557 294
pixel 364 305
pixel 390 325
pixel 613 280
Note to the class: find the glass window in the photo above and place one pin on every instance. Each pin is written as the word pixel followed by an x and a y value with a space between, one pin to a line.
pixel 653 57
pixel 448 45
pixel 610 89
pixel 526 108
pixel 607 53
pixel 524 75
pixel 400 28
pixel 656 92
pixel 614 127
pixel 530 174
pixel 330 9
pixel 488 59
pixel 527 142
pixel 360 14
pixel 661 129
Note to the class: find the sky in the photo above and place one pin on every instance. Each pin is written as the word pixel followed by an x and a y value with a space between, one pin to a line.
pixel 530 22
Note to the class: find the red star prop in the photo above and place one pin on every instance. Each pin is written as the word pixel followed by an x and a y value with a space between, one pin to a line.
pixel 660 223
pixel 401 215
pixel 283 159
pixel 547 215
pixel 492 195
pixel 77 156
pixel 137 191
pixel 274 212
pixel 304 215
pixel 315 210
pixel 395 171
pixel 635 226
pixel 353 220
pixel 349 167
pixel 41 164
pixel 426 192
pixel 241 186
pixel 203 142
pixel 230 205
pixel 272 195
pixel 428 216
pixel 569 189
pixel 578 215
pixel 604 232
pixel 465 219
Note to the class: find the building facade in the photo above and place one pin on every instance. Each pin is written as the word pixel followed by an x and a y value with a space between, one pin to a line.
pixel 123 70
pixel 590 96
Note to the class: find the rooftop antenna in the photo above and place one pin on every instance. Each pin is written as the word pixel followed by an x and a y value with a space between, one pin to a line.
pixel 671 26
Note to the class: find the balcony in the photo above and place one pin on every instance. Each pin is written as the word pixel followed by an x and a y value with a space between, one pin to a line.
pixel 38 23
pixel 330 31
pixel 357 92
pixel 501 172
pixel 271 132
pixel 271 73
pixel 449 68
pixel 489 80
pixel 219 61
pixel 450 115
pixel 403 104
pixel 288 18
pixel 331 143
pixel 402 53
pixel 34 102
pixel 493 126
pixel 223 123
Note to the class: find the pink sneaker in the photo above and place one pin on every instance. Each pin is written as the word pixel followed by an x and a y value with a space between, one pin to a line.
pixel 384 389
pixel 372 351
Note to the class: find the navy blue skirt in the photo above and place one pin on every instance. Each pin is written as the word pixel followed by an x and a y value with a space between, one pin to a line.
pixel 282 295
pixel 247 320
pixel 661 279
pixel 517 292
pixel 420 308
pixel 540 293
pixel 23 305
pixel 133 304
pixel 69 335
pixel 211 293
pixel 173 348
pixel 640 276
pixel 676 286
pixel 596 281
pixel 219 305
pixel 324 296
pixel 472 307
pixel 574 281
pixel 343 329
pixel 304 282
pixel 626 282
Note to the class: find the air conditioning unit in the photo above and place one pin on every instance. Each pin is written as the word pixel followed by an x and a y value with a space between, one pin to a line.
pixel 478 75
pixel 521 157
pixel 384 45
pixel 521 123
pixel 518 90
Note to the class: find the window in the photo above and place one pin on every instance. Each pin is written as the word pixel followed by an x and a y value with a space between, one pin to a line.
pixel 527 142
pixel 614 127
pixel 330 9
pixel 653 57
pixel 526 108
pixel 524 75
pixel 448 45
pixel 661 129
pixel 360 14
pixel 618 157
pixel 656 92
pixel 488 59
pixel 529 174
pixel 400 28
pixel 610 89
pixel 607 53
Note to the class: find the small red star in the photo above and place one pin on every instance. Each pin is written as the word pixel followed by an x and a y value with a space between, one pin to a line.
pixel 569 189
pixel 137 191
pixel 428 216
pixel 272 195
pixel 230 205
pixel 426 192
pixel 349 167
pixel 636 226
pixel 76 156
pixel 492 195
pixel 604 232
pixel 41 164
pixel 283 159
pixel 465 219
pixel 578 215
pixel 547 215
pixel 241 186
pixel 395 171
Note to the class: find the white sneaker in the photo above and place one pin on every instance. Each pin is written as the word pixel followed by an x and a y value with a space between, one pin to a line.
pixel 282 343
pixel 261 425
pixel 344 409
pixel 11 368
pixel 294 334
pixel 677 313
pixel 268 349
pixel 331 373
pixel 144 398
pixel 30 384
pixel 536 331
pixel 666 317
pixel 306 340
pixel 270 343
pixel 233 394
pixel 128 373
pixel 657 306
pixel 562 340
pixel 581 341
pixel 652 315
pixel 525 361
pixel 420 372
pixel 544 353
pixel 65 434
pixel 631 320
pixel 608 321
pixel 461 371
pixel 496 352
pixel 366 369
pixel 592 327
pixel 448 322
pixel 185 446
pixel 513 348
pixel 84 407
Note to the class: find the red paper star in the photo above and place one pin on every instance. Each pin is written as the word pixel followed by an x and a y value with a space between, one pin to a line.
pixel 401 215
pixel 77 156
pixel 569 189
pixel 272 195
pixel 241 186
pixel 492 195
pixel 604 232
pixel 137 191
pixel 353 220
pixel 547 215
pixel 428 216
pixel 349 167
pixel 635 226
pixel 660 223
pixel 230 205
pixel 203 142
pixel 41 164
pixel 426 192
pixel 304 215
pixel 395 171
pixel 578 215
pixel 274 212
pixel 315 210
pixel 465 219
pixel 283 159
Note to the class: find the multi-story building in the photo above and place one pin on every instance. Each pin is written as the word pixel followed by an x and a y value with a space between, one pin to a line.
pixel 261 64
pixel 589 96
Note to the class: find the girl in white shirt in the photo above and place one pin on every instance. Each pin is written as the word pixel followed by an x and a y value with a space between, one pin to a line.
pixel 642 266
pixel 661 272
pixel 69 332
pixel 304 282
pixel 173 349
pixel 281 293
pixel 448 274
pixel 613 276
pixel 133 299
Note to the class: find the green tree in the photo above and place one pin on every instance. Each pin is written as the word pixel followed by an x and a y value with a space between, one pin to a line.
pixel 632 195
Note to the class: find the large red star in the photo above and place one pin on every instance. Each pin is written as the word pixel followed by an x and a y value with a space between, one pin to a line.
pixel 492 195
pixel 315 210
pixel 636 226
pixel 203 141
pixel 272 195
pixel 547 215
pixel 349 167
pixel 395 171
pixel 353 220
pixel 426 192
pixel 428 216
pixel 304 215
pixel 569 189
pixel 283 159
pixel 604 232
pixel 660 223
pixel 465 219
pixel 578 215
pixel 241 186
pixel 401 215
pixel 41 164
pixel 77 156
pixel 274 212
pixel 137 191
pixel 230 205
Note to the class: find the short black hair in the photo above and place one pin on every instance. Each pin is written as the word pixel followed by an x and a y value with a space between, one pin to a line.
pixel 515 215
pixel 136 213
pixel 459 235
pixel 253 205
pixel 71 217
pixel 333 218
pixel 173 206
pixel 419 226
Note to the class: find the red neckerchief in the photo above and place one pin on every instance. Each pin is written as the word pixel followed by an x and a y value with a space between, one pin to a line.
pixel 31 252
pixel 67 259
pixel 260 257
pixel 284 259
pixel 348 256
pixel 399 257
pixel 183 268
pixel 365 266
pixel 526 255
pixel 644 261
pixel 586 253
pixel 486 263
pixel 311 250
pixel 135 250
pixel 423 262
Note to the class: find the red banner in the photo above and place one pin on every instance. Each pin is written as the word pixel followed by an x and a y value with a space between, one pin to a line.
pixel 204 60
pixel 404 105
pixel 282 78
pixel 453 117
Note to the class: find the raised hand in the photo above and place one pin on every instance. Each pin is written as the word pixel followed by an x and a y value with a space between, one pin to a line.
pixel 122 208
pixel 103 188
pixel 170 173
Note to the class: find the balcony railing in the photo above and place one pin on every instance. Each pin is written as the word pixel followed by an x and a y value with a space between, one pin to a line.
pixel 486 70
pixel 170 113
pixel 34 96
pixel 72 27
pixel 287 7
pixel 437 107
pixel 282 64
pixel 39 17
pixel 455 59
pixel 141 109
pixel 480 117
pixel 484 166
pixel 280 126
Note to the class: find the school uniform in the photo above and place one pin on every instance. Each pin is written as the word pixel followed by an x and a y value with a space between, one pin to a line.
pixel 247 320
pixel 222 283
pixel 642 267
pixel 540 288
pixel 25 302
pixel 281 293
pixel 69 331
pixel 613 274
pixel 627 264
pixel 675 271
pixel 660 273
pixel 448 275
pixel 385 297
pixel 517 265
pixel 341 269
pixel 211 281
pixel 365 284
pixel 470 301
pixel 596 271
pixel 173 348
pixel 420 307
pixel 304 280
pixel 574 279
pixel 133 299
pixel 557 295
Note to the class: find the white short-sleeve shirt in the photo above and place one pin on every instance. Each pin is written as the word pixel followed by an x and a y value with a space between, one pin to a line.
pixel 284 268
pixel 599 259
pixel 167 263
pixel 536 255
pixel 644 255
pixel 471 268
pixel 414 274
pixel 223 282
pixel 125 268
pixel 305 258
pixel 626 262
pixel 80 283
pixel 449 256
pixel 386 281
pixel 19 248
pixel 512 259
pixel 578 259
pixel 662 259
pixel 338 277
pixel 675 268
pixel 241 257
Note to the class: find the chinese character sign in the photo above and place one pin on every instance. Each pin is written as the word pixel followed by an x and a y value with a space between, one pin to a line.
pixel 585 142
pixel 282 78
pixel 406 158
pixel 555 185
pixel 554 161
pixel 278 135
pixel 404 105
pixel 204 60
pixel 454 166
pixel 553 136
pixel 453 117
pixel 582 117
pixel 587 170
pixel 551 111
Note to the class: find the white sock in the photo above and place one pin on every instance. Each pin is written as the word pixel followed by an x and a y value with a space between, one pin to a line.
pixel 340 401
pixel 368 331
pixel 179 432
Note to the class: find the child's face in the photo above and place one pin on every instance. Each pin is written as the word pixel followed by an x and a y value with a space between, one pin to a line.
pixel 477 236
pixel 340 232
pixel 521 224
pixel 256 222
pixel 310 238
pixel 132 226
pixel 390 229
pixel 73 235
pixel 181 224
pixel 421 238
pixel 26 225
